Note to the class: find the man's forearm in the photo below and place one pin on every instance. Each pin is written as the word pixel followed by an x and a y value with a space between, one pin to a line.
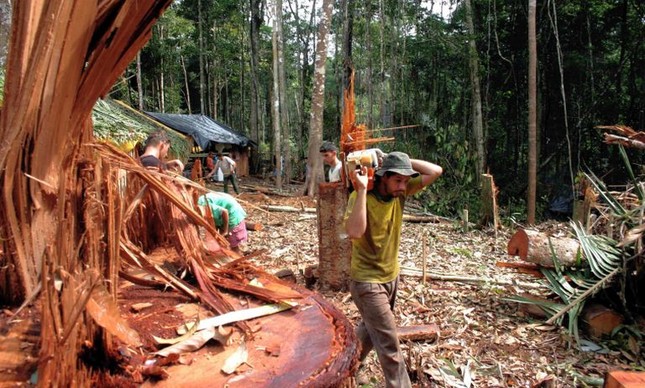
pixel 356 223
pixel 429 171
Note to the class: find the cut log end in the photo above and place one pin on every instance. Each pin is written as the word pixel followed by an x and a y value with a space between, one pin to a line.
pixel 518 245
pixel 418 333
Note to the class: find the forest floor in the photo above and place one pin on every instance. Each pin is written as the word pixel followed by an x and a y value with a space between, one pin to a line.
pixel 484 340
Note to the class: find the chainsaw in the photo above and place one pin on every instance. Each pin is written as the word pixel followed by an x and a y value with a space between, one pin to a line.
pixel 363 158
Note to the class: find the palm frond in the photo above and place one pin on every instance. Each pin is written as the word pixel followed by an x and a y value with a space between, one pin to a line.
pixel 616 207
pixel 604 262
pixel 630 171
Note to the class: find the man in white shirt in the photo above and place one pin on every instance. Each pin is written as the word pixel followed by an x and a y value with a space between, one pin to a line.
pixel 329 153
pixel 227 165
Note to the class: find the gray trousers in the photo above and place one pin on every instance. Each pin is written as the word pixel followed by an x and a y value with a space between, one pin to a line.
pixel 377 329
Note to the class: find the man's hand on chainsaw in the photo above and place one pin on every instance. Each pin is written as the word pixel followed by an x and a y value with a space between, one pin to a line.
pixel 380 155
pixel 359 178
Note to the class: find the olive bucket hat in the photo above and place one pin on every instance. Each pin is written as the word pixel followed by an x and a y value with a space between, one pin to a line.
pixel 398 163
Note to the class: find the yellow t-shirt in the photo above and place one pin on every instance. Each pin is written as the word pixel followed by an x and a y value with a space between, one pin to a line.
pixel 375 256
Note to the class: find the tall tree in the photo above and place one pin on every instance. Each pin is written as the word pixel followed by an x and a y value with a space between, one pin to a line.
pixel 303 36
pixel 476 102
pixel 318 100
pixel 282 87
pixel 532 121
pixel 202 59
pixel 139 82
pixel 256 23
pixel 277 143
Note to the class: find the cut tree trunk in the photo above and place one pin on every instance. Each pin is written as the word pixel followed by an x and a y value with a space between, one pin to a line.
pixel 490 211
pixel 535 247
pixel 334 245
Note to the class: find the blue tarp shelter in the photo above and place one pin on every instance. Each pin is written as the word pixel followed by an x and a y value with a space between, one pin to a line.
pixel 203 129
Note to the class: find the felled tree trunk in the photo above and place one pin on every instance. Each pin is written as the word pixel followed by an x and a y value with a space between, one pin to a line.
pixel 535 247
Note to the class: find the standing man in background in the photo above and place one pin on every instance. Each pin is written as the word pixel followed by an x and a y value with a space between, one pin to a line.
pixel 228 169
pixel 156 149
pixel 373 221
pixel 329 153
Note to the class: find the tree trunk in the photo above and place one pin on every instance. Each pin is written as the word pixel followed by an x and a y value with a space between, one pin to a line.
pixel 535 247
pixel 202 76
pixel 139 82
pixel 277 143
pixel 334 249
pixel 348 37
pixel 476 103
pixel 490 211
pixel 302 35
pixel 183 67
pixel 282 88
pixel 532 161
pixel 256 23
pixel 318 100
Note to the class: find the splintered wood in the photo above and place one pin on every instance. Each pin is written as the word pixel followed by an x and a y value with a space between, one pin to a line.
pixel 490 211
pixel 73 222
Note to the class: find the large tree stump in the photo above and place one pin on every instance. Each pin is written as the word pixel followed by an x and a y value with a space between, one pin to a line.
pixel 334 245
pixel 535 247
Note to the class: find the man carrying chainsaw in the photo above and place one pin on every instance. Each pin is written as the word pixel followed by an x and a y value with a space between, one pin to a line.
pixel 373 221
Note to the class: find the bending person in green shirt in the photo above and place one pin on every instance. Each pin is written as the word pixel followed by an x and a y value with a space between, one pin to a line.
pixel 229 217
pixel 373 221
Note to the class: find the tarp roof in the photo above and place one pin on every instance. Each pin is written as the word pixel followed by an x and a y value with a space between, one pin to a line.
pixel 203 129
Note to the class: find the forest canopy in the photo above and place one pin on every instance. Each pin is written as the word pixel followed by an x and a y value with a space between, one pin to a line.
pixel 414 67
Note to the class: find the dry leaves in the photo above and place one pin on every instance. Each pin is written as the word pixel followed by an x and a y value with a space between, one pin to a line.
pixel 483 339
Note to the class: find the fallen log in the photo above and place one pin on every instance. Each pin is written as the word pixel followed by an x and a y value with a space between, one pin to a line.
pixel 600 320
pixel 424 219
pixel 289 209
pixel 535 247
pixel 409 271
pixel 418 333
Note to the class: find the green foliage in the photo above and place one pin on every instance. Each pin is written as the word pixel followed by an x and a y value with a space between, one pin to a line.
pixel 412 69
pixel 120 126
